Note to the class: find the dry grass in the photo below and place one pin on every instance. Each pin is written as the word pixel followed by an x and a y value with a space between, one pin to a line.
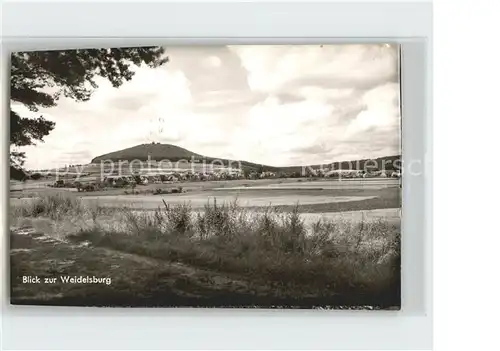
pixel 341 262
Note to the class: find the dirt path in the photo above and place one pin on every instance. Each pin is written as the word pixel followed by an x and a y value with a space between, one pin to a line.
pixel 134 279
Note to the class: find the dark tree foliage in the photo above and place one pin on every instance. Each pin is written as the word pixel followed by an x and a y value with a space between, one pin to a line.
pixel 36 176
pixel 24 131
pixel 39 78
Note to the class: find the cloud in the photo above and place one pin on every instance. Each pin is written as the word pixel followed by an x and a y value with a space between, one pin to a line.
pixel 72 157
pixel 381 112
pixel 130 102
pixel 212 61
pixel 321 148
pixel 278 105
pixel 277 68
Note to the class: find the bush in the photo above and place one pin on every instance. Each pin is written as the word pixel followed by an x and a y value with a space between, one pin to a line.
pixel 158 191
pixel 177 190
pixel 178 218
pixel 138 179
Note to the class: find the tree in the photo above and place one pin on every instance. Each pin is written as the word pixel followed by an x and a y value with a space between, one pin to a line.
pixel 39 78
pixel 36 176
pixel 246 173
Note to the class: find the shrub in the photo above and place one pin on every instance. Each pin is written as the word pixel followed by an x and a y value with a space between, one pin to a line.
pixel 138 179
pixel 179 218
pixel 157 191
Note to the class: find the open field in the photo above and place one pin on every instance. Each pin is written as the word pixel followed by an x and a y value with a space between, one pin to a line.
pixel 321 197
pixel 252 193
pixel 222 243
pixel 288 183
pixel 246 199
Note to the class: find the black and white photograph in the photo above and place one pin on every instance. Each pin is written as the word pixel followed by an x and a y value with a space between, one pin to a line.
pixel 238 176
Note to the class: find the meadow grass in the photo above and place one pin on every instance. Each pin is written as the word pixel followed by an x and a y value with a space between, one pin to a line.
pixel 57 206
pixel 53 206
pixel 345 262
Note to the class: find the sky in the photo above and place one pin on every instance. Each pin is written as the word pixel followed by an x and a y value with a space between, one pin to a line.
pixel 275 105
